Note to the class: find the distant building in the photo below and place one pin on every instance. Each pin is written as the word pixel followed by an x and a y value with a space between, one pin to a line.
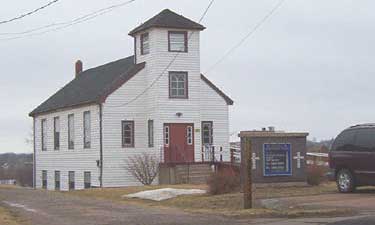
pixel 8 182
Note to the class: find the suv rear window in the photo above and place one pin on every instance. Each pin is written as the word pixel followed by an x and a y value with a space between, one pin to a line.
pixel 365 140
pixel 345 141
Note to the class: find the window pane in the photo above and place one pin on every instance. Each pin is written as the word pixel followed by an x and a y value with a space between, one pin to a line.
pixel 365 140
pixel 87 129
pixel 128 133
pixel 345 141
pixel 178 84
pixel 71 131
pixel 87 177
pixel 145 49
pixel 181 77
pixel 181 92
pixel 56 134
pixel 207 133
pixel 177 41
pixel 44 134
pixel 150 133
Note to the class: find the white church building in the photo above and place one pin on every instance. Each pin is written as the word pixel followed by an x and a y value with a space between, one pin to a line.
pixel 156 101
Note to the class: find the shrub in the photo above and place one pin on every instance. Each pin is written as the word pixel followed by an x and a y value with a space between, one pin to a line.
pixel 143 167
pixel 315 175
pixel 223 182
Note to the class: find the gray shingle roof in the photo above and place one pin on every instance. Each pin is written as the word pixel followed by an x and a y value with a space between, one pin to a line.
pixel 92 85
pixel 168 19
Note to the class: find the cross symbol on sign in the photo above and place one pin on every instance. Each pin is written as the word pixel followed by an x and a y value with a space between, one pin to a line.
pixel 298 158
pixel 254 159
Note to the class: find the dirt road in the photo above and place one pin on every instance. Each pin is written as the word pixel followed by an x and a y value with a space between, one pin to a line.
pixel 52 208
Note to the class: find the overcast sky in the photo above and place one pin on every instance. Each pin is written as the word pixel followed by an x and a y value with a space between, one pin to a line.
pixel 309 68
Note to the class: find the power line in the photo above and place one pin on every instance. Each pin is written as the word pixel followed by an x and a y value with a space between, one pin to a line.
pixel 28 13
pixel 63 25
pixel 258 25
pixel 166 68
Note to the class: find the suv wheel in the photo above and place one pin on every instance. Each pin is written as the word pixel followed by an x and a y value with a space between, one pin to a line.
pixel 345 181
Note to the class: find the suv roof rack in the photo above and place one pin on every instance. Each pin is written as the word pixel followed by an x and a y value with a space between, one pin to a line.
pixel 365 125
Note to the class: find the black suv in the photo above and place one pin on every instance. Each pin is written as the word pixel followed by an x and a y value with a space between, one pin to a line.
pixel 352 157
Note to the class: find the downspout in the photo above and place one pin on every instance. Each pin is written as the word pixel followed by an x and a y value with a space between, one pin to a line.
pixel 101 143
pixel 34 161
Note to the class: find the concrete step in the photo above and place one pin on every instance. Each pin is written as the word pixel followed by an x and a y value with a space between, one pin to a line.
pixel 195 179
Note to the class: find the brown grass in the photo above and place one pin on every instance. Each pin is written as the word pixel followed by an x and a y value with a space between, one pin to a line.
pixel 7 218
pixel 226 204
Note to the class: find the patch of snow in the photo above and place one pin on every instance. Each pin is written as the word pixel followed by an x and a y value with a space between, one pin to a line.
pixel 16 205
pixel 164 193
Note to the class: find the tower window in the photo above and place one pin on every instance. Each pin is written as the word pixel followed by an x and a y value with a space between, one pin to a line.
pixel 145 44
pixel 178 85
pixel 177 41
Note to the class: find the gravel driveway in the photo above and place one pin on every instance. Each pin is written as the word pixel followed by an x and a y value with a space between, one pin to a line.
pixel 44 207
pixel 52 208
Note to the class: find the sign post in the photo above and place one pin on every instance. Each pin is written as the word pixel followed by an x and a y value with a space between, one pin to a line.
pixel 248 184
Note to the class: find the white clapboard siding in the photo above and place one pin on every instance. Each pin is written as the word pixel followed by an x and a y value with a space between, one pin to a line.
pixel 203 104
pixel 214 108
pixel 64 160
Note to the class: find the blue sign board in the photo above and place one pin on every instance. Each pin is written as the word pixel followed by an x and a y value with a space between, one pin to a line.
pixel 277 160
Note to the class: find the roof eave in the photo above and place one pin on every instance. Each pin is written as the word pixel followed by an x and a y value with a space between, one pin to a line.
pixel 137 30
pixel 36 113
pixel 227 99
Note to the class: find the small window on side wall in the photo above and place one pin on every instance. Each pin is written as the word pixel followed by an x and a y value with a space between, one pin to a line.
pixel 71 178
pixel 177 41
pixel 178 85
pixel 71 131
pixel 207 133
pixel 44 179
pixel 87 179
pixel 56 133
pixel 150 133
pixel 43 133
pixel 145 44
pixel 127 133
pixel 87 129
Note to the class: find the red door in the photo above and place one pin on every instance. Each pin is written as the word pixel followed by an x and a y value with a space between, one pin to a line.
pixel 178 142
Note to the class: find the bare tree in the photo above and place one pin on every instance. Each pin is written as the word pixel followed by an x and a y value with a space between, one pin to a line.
pixel 143 167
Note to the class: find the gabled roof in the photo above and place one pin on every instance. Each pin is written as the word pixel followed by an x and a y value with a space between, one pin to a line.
pixel 92 85
pixel 168 19
pixel 221 93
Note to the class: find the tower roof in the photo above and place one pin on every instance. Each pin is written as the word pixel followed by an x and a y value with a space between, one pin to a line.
pixel 168 19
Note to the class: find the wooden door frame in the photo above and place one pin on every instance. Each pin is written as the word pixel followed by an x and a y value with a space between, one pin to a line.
pixel 186 124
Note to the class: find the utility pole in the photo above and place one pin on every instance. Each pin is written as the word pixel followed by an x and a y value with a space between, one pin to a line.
pixel 248 183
